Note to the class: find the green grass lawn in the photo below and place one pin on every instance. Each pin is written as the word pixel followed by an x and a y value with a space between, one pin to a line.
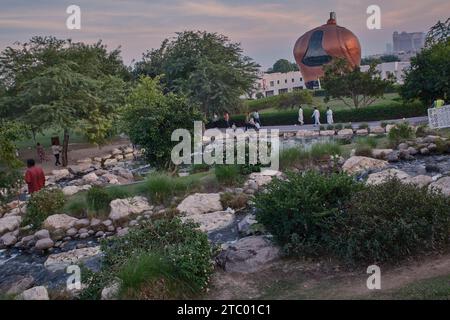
pixel 44 139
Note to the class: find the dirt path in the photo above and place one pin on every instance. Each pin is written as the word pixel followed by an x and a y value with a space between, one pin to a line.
pixel 293 279
pixel 77 151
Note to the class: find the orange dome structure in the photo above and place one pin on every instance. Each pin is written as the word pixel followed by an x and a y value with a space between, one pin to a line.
pixel 319 46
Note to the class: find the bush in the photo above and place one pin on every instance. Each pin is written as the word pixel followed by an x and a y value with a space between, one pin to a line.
pixel 77 209
pixel 164 258
pixel 364 146
pixel 319 151
pixel 348 126
pixel 160 187
pixel 300 211
pixel 42 204
pixel 392 220
pixel 339 126
pixel 234 201
pixel 98 199
pixel 228 174
pixel 292 157
pixel 363 126
pixel 330 127
pixel 400 132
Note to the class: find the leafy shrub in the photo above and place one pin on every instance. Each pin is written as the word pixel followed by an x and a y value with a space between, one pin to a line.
pixel 98 199
pixel 300 211
pixel 233 201
pixel 392 220
pixel 202 167
pixel 364 146
pixel 292 157
pixel 322 128
pixel 348 126
pixel 400 132
pixel 42 204
pixel 228 174
pixel 117 193
pixel 163 258
pixel 363 126
pixel 330 127
pixel 338 126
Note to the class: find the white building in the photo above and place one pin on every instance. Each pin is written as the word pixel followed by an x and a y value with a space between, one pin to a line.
pixel 395 68
pixel 272 84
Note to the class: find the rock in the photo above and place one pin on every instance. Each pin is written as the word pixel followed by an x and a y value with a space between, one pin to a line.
pixel 71 232
pixel 122 232
pixel 110 162
pixel 60 174
pixel 86 160
pixel 394 156
pixel 82 230
pixel 122 209
pixel 59 221
pixel 111 178
pixel 432 147
pixel 44 244
pixel 260 179
pixel 389 127
pixel 357 164
pixel 412 151
pixel 200 203
pixel 381 153
pixel 421 180
pixel 20 285
pixel 424 151
pixel 60 261
pixel 249 254
pixel 90 178
pixel 7 240
pixel 442 185
pixel 362 132
pixel 82 223
pixel 97 225
pixel 9 223
pixel 70 190
pixel 84 235
pixel 35 293
pixel 430 167
pixel 307 133
pixel 124 173
pixel 80 168
pixel 380 177
pixel 345 132
pixel 244 226
pixel 212 221
pixel 41 234
pixel 111 291
pixel 116 151
pixel 99 234
pixel 403 146
pixel 377 130
pixel 327 133
pixel 431 139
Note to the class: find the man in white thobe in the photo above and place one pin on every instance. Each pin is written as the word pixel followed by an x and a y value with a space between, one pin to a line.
pixel 300 116
pixel 329 116
pixel 316 116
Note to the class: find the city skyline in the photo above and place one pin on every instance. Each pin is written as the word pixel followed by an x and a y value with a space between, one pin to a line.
pixel 266 29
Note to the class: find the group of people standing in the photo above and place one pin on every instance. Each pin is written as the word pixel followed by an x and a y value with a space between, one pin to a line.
pixel 315 116
pixel 252 121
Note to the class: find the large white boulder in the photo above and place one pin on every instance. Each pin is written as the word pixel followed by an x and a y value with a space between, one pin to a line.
pixel 421 180
pixel 58 222
pixel 200 203
pixel 80 168
pixel 90 178
pixel 249 254
pixel 122 209
pixel 357 164
pixel 60 261
pixel 35 293
pixel 60 174
pixel 383 176
pixel 212 221
pixel 9 223
pixel 443 185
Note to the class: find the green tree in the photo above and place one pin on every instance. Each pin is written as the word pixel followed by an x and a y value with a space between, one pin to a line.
pixel 10 177
pixel 295 99
pixel 283 66
pixel 428 78
pixel 207 67
pixel 343 82
pixel 150 117
pixel 52 83
pixel 384 58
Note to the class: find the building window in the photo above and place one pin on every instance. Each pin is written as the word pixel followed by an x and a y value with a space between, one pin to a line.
pixel 301 79
pixel 293 80
pixel 278 81
pixel 269 93
pixel 285 81
pixel 281 91
pixel 272 83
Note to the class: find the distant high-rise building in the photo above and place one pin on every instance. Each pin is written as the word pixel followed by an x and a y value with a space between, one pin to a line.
pixel 408 41
pixel 388 48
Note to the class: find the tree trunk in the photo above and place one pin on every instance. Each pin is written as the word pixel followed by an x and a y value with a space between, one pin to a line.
pixel 65 159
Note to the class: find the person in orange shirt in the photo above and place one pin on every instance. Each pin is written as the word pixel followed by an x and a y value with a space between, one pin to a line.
pixel 34 177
